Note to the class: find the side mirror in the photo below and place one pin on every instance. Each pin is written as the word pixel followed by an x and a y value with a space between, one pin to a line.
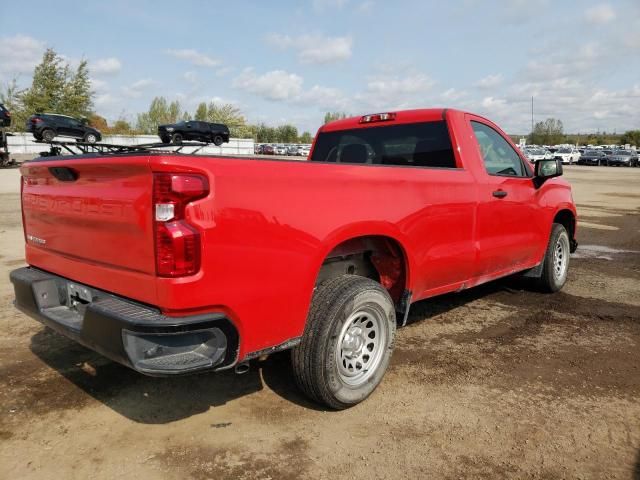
pixel 546 169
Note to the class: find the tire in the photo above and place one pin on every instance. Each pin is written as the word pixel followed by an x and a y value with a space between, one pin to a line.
pixel 176 138
pixel 165 139
pixel 48 135
pixel 556 260
pixel 90 138
pixel 218 140
pixel 351 324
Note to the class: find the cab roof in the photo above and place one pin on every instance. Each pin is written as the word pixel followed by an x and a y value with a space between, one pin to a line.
pixel 401 116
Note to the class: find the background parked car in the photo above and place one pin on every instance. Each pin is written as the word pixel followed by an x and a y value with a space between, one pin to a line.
pixel 47 126
pixel 281 150
pixel 623 158
pixel 268 150
pixel 592 157
pixel 5 116
pixel 537 153
pixel 303 150
pixel 216 133
pixel 567 155
pixel 292 149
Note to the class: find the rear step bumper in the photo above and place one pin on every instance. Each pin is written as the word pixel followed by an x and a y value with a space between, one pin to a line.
pixel 130 333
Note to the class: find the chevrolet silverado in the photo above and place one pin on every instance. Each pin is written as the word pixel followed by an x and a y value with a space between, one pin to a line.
pixel 173 264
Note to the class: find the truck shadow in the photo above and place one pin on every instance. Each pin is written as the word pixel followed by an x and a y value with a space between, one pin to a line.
pixel 154 400
pixel 149 400
pixel 636 468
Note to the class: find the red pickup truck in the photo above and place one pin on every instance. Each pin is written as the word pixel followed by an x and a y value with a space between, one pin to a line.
pixel 172 263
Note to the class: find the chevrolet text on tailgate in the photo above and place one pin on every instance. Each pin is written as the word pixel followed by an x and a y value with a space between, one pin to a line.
pixel 174 263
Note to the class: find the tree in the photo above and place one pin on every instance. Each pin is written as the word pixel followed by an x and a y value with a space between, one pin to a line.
pixel 549 132
pixel 287 133
pixel 632 137
pixel 77 96
pixel 174 112
pixel 306 137
pixel 47 88
pixel 230 115
pixel 265 134
pixel 331 116
pixel 54 88
pixel 201 112
pixel 98 122
pixel 121 127
pixel 160 112
pixel 10 98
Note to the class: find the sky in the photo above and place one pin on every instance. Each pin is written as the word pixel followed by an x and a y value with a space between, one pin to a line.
pixel 292 61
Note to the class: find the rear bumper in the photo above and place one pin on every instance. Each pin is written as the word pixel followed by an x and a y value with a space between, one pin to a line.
pixel 130 333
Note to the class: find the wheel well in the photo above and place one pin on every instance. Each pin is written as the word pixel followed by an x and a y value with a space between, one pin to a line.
pixel 566 218
pixel 377 257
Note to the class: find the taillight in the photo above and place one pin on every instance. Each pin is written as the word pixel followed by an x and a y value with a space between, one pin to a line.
pixel 36 120
pixel 177 242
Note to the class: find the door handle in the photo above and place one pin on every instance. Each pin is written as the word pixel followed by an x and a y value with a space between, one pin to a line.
pixel 499 194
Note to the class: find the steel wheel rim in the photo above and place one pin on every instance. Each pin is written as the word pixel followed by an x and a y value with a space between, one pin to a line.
pixel 560 257
pixel 91 138
pixel 361 345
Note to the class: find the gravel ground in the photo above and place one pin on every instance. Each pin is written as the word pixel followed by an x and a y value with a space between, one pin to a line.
pixel 496 382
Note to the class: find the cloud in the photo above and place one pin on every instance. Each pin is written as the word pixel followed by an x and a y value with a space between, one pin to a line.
pixel 99 85
pixel 323 5
pixel 399 85
pixel 104 100
pixel 190 77
pixel 20 54
pixel 600 14
pixel 194 57
pixel 136 89
pixel 314 49
pixel 365 7
pixel 105 66
pixel 453 95
pixel 490 81
pixel 326 98
pixel 273 85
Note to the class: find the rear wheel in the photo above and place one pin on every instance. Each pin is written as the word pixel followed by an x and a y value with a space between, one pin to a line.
pixel 90 138
pixel 48 135
pixel 218 140
pixel 556 260
pixel 177 138
pixel 348 341
pixel 165 139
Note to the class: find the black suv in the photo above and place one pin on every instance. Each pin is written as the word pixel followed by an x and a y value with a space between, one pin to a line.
pixel 192 130
pixel 5 116
pixel 47 126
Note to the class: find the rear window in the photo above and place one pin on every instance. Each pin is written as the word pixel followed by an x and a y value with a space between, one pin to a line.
pixel 410 145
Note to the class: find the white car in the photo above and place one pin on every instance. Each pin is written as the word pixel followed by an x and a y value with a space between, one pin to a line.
pixel 280 150
pixel 534 154
pixel 567 155
pixel 303 151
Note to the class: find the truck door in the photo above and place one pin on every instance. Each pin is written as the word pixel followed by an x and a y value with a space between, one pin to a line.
pixel 508 230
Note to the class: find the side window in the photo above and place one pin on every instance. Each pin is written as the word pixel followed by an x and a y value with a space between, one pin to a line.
pixel 498 156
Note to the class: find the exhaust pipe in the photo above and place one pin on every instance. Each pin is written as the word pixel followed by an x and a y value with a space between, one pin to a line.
pixel 242 368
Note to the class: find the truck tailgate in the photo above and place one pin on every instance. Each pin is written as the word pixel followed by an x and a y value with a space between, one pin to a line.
pixel 93 211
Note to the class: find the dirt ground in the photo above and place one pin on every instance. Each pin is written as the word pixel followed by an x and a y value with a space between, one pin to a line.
pixel 496 382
